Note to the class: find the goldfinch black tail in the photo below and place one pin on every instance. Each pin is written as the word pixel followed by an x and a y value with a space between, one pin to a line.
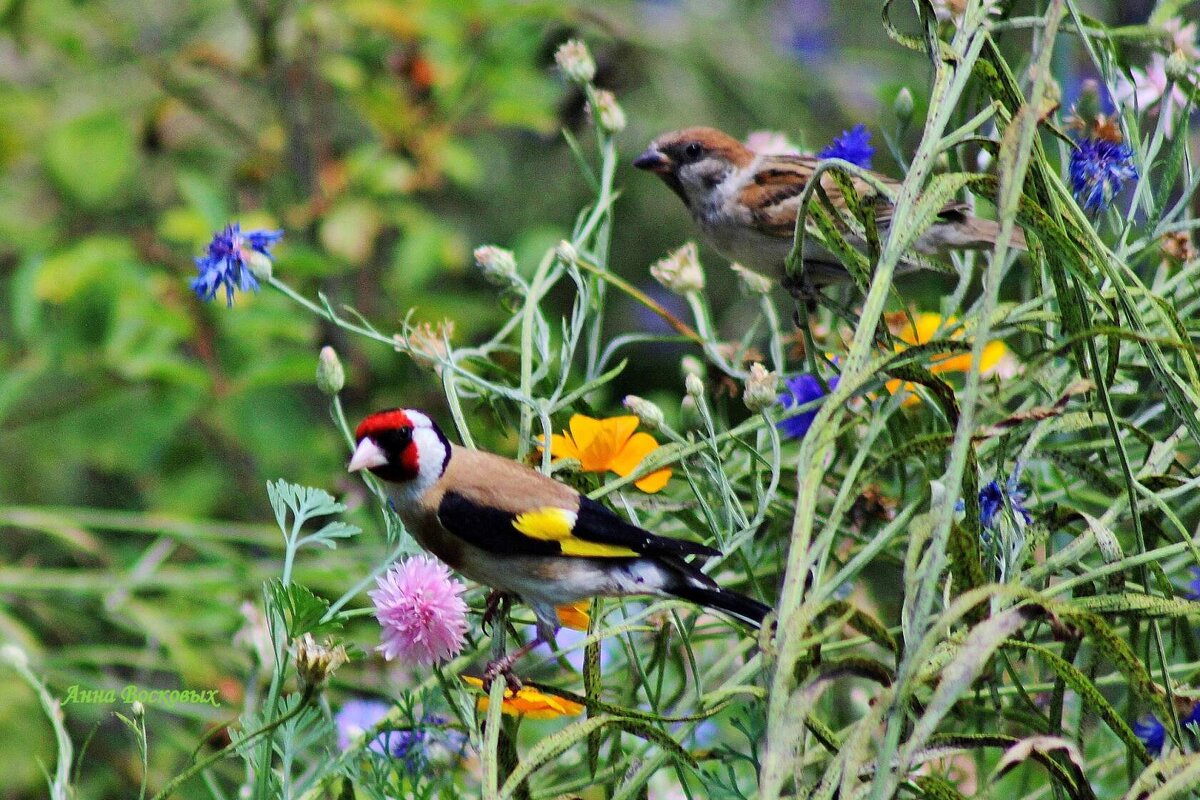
pixel 735 605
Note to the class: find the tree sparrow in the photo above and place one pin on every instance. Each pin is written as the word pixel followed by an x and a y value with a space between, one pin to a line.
pixel 745 204
pixel 518 531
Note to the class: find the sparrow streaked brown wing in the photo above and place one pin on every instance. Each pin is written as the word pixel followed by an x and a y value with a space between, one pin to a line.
pixel 745 204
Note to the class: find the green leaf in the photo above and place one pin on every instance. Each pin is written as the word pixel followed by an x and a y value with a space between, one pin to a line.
pixel 1092 698
pixel 1143 606
pixel 301 610
pixel 304 503
pixel 204 197
pixel 92 158
pixel 330 533
pixel 1170 777
pixel 92 262
pixel 349 230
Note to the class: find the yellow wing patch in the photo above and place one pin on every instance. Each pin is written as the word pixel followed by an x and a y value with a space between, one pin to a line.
pixel 553 524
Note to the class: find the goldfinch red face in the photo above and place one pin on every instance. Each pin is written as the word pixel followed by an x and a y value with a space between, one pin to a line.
pixel 400 446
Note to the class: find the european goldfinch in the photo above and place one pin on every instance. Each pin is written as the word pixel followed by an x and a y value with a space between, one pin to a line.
pixel 522 533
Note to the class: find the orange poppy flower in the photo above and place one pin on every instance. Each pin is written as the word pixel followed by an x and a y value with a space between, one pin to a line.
pixel 528 702
pixel 609 445
pixel 574 616
pixel 997 358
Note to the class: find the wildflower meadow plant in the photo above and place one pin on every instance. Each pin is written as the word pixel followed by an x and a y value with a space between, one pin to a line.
pixel 420 611
pixel 853 145
pixel 234 261
pixel 943 624
pixel 1099 168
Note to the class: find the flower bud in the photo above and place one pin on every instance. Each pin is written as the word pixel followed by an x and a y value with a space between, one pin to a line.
pixel 566 252
pixel 428 343
pixel 316 662
pixel 751 281
pixel 689 412
pixel 258 264
pixel 762 388
pixel 1178 68
pixel 609 112
pixel 902 106
pixel 330 375
pixel 575 62
pixel 499 266
pixel 680 271
pixel 647 413
pixel 690 365
pixel 694 385
pixel 137 709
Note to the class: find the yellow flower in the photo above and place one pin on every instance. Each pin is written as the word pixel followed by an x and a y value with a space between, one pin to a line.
pixel 575 615
pixel 997 358
pixel 609 445
pixel 528 702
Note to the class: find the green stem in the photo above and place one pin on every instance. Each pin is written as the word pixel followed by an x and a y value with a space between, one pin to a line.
pixel 179 779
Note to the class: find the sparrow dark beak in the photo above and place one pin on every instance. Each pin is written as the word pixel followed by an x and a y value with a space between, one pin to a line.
pixel 653 161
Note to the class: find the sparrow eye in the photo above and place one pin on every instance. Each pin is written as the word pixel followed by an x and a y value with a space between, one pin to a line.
pixel 693 151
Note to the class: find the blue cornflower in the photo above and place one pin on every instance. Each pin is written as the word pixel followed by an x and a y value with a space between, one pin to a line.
pixel 991 500
pixel 1193 717
pixel 993 496
pixel 357 716
pixel 1098 168
pixel 802 389
pixel 225 262
pixel 1193 587
pixel 1151 732
pixel 853 145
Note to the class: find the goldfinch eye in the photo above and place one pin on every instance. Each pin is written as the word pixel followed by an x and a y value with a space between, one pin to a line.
pixel 394 441
pixel 693 151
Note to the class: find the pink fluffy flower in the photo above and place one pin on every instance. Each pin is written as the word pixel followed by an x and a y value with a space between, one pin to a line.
pixel 423 617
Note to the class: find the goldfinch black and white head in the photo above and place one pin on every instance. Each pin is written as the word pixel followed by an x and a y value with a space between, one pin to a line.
pixel 401 446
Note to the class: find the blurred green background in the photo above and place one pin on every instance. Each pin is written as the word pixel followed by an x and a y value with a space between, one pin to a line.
pixel 387 139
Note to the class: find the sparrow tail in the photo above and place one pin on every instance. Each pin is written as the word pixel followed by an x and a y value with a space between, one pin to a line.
pixel 735 605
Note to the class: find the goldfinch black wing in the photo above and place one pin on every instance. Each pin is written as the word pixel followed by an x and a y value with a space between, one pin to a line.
pixel 590 531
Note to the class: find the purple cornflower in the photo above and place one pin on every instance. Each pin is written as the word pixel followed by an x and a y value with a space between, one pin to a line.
pixel 1098 169
pixel 1154 735
pixel 802 389
pixel 993 496
pixel 853 145
pixel 359 716
pixel 1151 732
pixel 226 262
pixel 802 28
pixel 1193 593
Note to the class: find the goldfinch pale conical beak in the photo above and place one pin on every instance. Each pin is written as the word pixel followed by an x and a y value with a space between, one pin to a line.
pixel 366 456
